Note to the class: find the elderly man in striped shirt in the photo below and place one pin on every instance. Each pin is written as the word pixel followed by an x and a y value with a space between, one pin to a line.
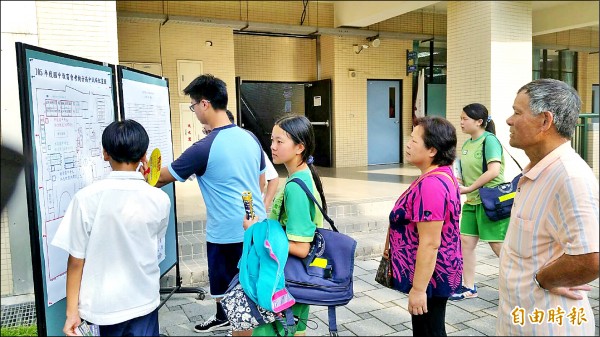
pixel 550 252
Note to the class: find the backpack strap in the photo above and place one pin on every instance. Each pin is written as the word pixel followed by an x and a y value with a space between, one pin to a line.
pixel 288 323
pixel 484 165
pixel 311 197
pixel 332 320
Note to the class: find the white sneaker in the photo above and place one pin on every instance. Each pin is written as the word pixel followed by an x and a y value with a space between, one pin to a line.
pixel 463 293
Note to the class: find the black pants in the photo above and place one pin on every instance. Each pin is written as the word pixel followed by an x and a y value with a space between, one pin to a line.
pixel 433 322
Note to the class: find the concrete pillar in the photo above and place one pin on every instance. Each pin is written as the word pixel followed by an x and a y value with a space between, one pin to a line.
pixel 489 58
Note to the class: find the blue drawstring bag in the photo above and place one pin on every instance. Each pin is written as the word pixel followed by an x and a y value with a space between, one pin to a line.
pixel 498 200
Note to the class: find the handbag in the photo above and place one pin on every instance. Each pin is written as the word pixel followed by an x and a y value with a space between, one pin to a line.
pixel 242 313
pixel 498 200
pixel 384 273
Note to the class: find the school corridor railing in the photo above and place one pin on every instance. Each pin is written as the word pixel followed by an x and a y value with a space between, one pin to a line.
pixel 586 134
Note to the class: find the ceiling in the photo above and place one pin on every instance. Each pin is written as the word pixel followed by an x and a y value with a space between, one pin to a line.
pixel 547 16
pixel 441 6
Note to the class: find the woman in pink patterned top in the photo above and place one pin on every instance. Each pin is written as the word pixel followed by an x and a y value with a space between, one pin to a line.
pixel 424 235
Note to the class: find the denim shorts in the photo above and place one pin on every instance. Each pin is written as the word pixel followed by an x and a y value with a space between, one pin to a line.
pixel 222 265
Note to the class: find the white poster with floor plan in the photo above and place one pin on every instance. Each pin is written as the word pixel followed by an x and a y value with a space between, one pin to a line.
pixel 71 106
pixel 148 104
pixel 144 98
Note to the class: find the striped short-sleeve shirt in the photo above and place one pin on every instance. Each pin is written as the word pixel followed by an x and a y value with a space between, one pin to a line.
pixel 555 212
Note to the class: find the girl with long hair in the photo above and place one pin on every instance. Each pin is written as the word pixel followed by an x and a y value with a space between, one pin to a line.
pixel 292 144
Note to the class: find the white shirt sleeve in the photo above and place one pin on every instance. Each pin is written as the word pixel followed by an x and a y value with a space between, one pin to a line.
pixel 271 172
pixel 72 234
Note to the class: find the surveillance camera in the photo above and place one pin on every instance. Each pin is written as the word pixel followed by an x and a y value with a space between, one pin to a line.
pixel 375 42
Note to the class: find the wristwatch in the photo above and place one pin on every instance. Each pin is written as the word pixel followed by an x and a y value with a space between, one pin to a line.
pixel 538 283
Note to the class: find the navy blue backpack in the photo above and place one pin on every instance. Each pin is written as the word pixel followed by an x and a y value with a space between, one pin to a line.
pixel 325 276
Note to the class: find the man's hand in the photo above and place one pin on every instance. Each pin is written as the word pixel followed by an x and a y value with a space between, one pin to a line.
pixel 570 292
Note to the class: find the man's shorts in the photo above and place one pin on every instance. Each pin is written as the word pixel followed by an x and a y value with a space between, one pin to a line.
pixel 475 222
pixel 222 265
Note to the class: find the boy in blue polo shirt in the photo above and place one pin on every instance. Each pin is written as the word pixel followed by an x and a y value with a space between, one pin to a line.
pixel 226 162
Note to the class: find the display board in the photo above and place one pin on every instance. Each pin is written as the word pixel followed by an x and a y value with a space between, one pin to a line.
pixel 66 102
pixel 144 98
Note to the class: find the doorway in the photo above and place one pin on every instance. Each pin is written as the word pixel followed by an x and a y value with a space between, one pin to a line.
pixel 317 97
pixel 384 121
pixel 261 103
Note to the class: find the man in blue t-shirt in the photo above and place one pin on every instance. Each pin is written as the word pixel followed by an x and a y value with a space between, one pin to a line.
pixel 226 163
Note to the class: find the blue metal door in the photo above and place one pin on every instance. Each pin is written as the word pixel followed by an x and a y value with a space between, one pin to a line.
pixel 383 121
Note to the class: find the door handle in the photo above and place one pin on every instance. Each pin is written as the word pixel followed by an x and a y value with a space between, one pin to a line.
pixel 397 122
pixel 326 123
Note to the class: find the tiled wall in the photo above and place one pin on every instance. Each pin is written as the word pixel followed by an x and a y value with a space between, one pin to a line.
pixel 6 279
pixel 582 37
pixel 587 75
pixel 82 28
pixel 255 58
pixel 171 42
pixel 318 13
pixel 217 60
pixel 414 22
pixel 139 41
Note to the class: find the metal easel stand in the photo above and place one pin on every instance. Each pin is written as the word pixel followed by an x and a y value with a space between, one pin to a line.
pixel 179 289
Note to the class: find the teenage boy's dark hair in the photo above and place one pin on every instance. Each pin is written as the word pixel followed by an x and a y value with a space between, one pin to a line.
pixel 125 141
pixel 209 88
pixel 440 134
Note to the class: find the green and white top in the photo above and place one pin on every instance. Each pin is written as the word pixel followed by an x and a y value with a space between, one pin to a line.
pixel 471 162
pixel 300 217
